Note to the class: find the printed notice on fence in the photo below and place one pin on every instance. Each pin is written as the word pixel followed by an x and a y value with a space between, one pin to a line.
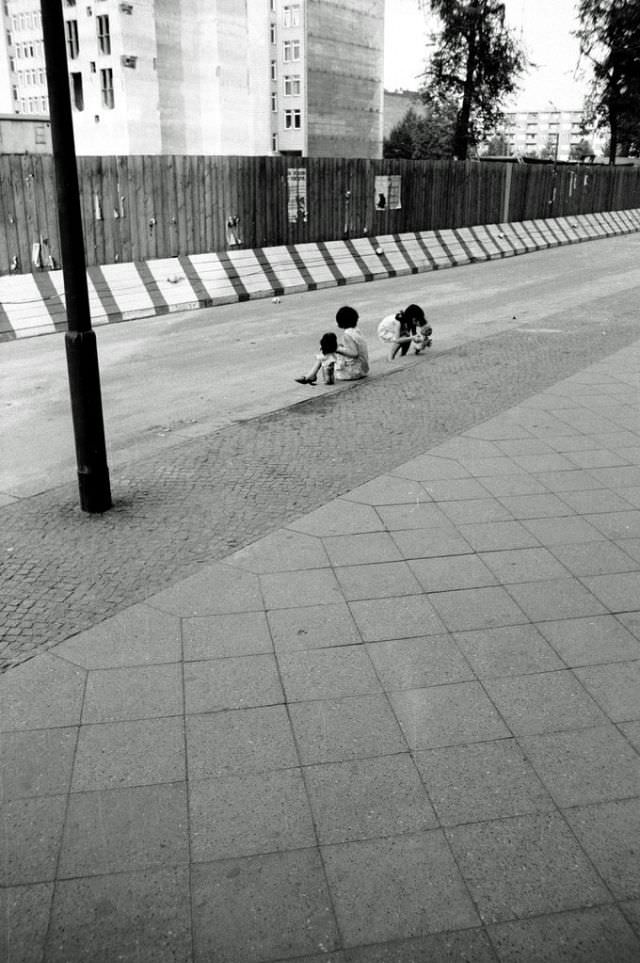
pixel 297 201
pixel 388 190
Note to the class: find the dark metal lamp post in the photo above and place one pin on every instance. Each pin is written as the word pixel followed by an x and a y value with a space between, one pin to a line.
pixel 80 340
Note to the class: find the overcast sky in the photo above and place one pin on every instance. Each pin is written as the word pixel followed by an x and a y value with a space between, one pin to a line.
pixel 544 27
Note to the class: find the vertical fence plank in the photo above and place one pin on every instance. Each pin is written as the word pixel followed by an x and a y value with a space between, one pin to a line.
pixel 168 181
pixel 16 183
pixel 124 209
pixel 218 201
pixel 50 203
pixel 86 209
pixel 98 208
pixel 32 227
pixel 180 207
pixel 110 223
pixel 207 213
pixel 42 211
pixel 202 206
pixel 6 221
pixel 156 192
pixel 15 254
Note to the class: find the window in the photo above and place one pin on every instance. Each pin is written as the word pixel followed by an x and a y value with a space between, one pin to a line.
pixel 71 31
pixel 70 3
pixel 274 103
pixel 41 134
pixel 104 37
pixel 76 91
pixel 274 142
pixel 274 70
pixel 291 50
pixel 106 88
pixel 291 15
pixel 292 85
pixel 292 120
pixel 272 33
pixel 92 66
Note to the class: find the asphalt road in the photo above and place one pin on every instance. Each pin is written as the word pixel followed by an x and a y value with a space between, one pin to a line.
pixel 185 375
pixel 213 444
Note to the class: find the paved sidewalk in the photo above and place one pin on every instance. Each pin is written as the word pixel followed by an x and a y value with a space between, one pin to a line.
pixel 406 727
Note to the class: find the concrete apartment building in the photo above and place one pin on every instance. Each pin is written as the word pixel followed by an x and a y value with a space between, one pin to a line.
pixel 207 76
pixel 556 131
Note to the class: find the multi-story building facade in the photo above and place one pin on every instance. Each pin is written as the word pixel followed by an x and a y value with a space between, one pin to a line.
pixel 22 70
pixel 326 70
pixel 550 132
pixel 207 76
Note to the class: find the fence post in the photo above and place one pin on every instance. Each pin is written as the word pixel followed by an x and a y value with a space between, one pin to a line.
pixel 506 201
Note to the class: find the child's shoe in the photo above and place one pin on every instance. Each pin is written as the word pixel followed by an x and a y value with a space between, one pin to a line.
pixel 306 381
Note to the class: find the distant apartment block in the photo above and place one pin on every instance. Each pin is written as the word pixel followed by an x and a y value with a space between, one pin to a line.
pixel 553 132
pixel 207 76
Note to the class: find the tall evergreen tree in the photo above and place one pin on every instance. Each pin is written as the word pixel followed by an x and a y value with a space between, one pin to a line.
pixel 427 135
pixel 609 37
pixel 476 64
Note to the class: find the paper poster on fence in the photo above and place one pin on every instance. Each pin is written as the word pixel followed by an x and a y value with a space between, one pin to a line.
pixel 387 190
pixel 297 196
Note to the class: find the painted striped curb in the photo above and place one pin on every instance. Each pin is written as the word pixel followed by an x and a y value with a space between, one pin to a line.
pixel 34 304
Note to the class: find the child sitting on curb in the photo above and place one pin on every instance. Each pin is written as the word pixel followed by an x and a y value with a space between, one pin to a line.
pixel 351 353
pixel 326 361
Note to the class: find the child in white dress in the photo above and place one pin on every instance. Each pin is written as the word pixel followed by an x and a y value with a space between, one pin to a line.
pixel 406 328
pixel 344 360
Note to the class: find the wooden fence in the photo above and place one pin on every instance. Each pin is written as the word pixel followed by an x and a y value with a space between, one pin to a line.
pixel 135 208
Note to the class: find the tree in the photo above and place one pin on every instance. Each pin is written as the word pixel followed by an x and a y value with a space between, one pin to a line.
pixel 422 136
pixel 609 36
pixel 550 149
pixel 581 150
pixel 497 146
pixel 475 66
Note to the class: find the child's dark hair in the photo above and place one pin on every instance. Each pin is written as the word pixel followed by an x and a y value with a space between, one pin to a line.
pixel 415 313
pixel 329 343
pixel 346 317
